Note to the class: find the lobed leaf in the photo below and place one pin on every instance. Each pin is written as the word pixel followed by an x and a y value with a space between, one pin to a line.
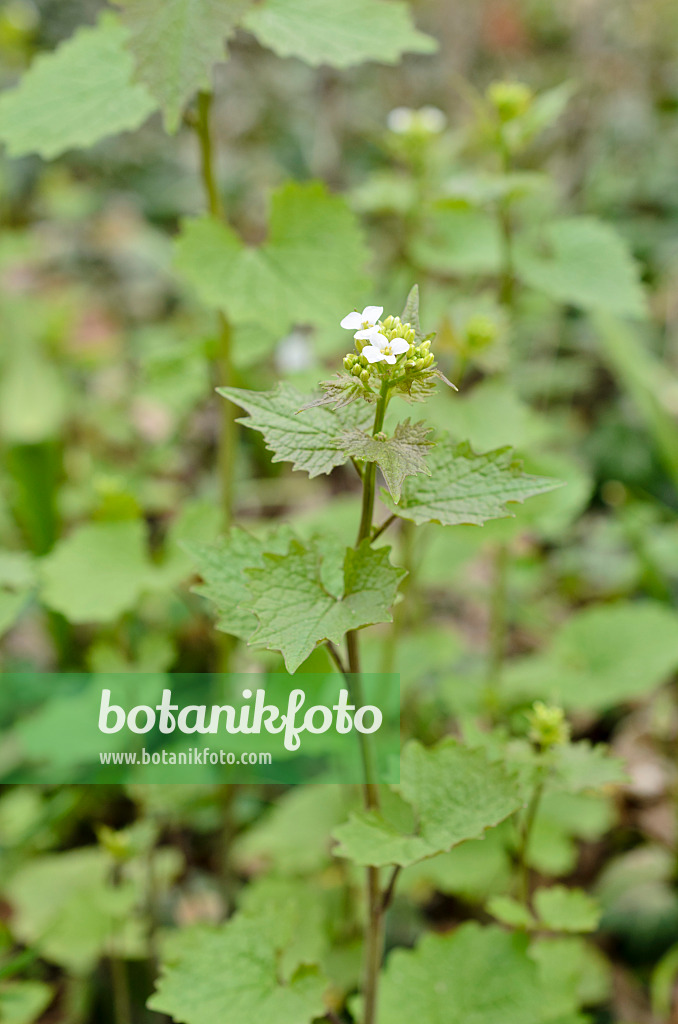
pixel 296 609
pixel 467 488
pixel 455 794
pixel 222 567
pixel 342 35
pixel 397 457
pixel 308 441
pixel 567 910
pixel 75 96
pixel 175 44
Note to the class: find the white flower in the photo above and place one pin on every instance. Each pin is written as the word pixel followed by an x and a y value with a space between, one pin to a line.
pixel 362 322
pixel 405 121
pixel 381 350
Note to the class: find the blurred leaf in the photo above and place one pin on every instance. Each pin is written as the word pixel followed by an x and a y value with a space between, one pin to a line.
pixel 471 974
pixel 321 32
pixel 98 572
pixel 455 794
pixel 566 910
pixel 509 911
pixel 572 973
pixel 232 974
pixel 75 96
pixel 582 766
pixel 175 43
pixel 663 983
pixel 602 656
pixel 32 397
pixel 23 1002
pixel 295 277
pixel 583 262
pixel 467 488
pixel 397 457
pixel 458 241
pixel 295 609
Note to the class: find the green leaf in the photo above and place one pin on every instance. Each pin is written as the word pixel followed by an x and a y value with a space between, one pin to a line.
pixel 75 96
pixel 410 314
pixel 32 396
pixel 309 271
pixel 342 35
pixel 472 974
pixel 232 974
pixel 339 391
pixel 175 43
pixel 295 608
pixel 305 438
pixel 583 262
pixel 467 488
pixel 397 457
pixel 572 973
pixel 23 1002
pixel 455 794
pixel 222 567
pixel 509 911
pixel 567 910
pixel 98 572
pixel 602 656
pixel 458 241
pixel 581 766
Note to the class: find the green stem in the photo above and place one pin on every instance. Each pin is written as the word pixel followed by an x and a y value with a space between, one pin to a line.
pixel 370 473
pixel 374 937
pixel 507 286
pixel 122 1006
pixel 526 832
pixel 223 362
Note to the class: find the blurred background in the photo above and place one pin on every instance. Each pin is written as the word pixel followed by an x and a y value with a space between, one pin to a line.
pixel 109 432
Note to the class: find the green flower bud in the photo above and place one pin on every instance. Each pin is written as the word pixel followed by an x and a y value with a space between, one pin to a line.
pixel 548 725
pixel 365 376
pixel 425 348
pixel 481 331
pixel 510 99
pixel 419 365
pixel 355 370
pixel 387 324
pixel 363 362
pixel 349 360
pixel 429 360
pixel 409 334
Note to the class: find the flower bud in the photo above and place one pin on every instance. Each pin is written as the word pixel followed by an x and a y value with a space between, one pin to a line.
pixel 355 370
pixel 362 360
pixel 425 348
pixel 419 365
pixel 481 331
pixel 409 334
pixel 365 376
pixel 349 360
pixel 429 360
pixel 548 726
pixel 510 99
pixel 388 323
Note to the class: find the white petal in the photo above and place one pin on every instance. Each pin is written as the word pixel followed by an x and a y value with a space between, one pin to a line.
pixel 400 120
pixel 373 355
pixel 352 321
pixel 390 359
pixel 372 334
pixel 399 345
pixel 371 314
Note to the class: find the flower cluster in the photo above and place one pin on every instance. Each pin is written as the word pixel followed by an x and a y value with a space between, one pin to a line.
pixel 388 342
pixel 548 725
pixel 425 121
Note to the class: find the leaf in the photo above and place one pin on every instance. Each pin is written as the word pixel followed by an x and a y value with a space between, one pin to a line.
pixel 583 262
pixel 32 396
pixel 23 1002
pixel 341 390
pixel 458 241
pixel 175 43
pixel 455 794
pixel 98 572
pixel 573 973
pixel 222 567
pixel 306 439
pixel 76 96
pixel 601 657
pixel 309 271
pixel 323 32
pixel 232 974
pixel 397 457
pixel 471 974
pixel 509 911
pixel 410 314
pixel 567 910
pixel 581 766
pixel 467 488
pixel 296 611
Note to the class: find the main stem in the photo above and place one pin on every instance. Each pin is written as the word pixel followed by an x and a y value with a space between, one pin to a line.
pixel 223 362
pixel 374 938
